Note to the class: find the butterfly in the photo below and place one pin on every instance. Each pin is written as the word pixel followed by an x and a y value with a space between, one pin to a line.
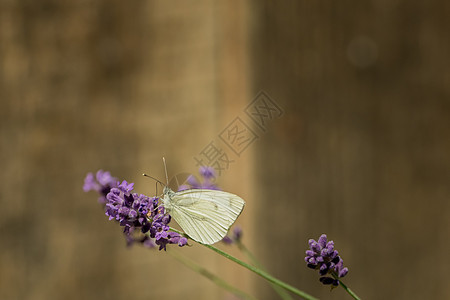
pixel 204 215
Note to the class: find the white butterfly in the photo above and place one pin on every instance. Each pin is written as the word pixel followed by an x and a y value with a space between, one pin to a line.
pixel 204 215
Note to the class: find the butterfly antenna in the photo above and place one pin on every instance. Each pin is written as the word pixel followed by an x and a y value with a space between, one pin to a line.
pixel 165 169
pixel 176 179
pixel 146 175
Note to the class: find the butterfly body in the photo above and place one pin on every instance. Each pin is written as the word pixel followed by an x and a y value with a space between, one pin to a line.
pixel 205 215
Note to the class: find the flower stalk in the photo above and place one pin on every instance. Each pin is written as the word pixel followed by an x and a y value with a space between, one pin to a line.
pixel 214 278
pixel 261 273
pixel 349 291
pixel 145 221
pixel 280 291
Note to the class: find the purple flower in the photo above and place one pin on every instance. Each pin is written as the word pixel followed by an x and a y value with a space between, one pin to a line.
pixel 208 175
pixel 143 218
pixel 162 232
pixel 101 183
pixel 322 256
pixel 172 238
pixel 235 237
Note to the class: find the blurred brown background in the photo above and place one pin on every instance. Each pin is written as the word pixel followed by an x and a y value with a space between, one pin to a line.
pixel 361 151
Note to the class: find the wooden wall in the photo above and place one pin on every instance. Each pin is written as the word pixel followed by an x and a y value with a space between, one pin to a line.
pixel 360 150
pixel 88 85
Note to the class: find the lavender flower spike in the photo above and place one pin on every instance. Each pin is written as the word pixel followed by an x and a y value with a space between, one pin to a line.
pixel 102 183
pixel 234 237
pixel 142 217
pixel 321 256
pixel 208 175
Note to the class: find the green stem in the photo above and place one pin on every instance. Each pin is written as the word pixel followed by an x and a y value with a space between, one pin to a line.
pixel 217 280
pixel 261 273
pixel 255 270
pixel 281 292
pixel 349 291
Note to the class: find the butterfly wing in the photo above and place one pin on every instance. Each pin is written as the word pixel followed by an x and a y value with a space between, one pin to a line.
pixel 205 215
